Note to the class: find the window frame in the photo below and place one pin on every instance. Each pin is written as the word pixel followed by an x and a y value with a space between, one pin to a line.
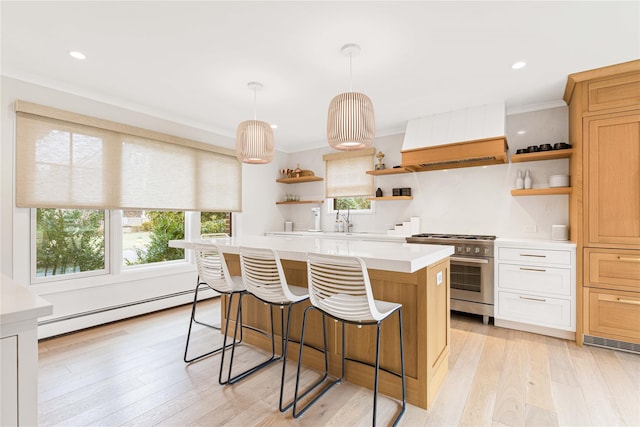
pixel 332 210
pixel 33 258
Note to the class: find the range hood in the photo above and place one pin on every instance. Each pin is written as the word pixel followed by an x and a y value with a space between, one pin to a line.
pixel 456 139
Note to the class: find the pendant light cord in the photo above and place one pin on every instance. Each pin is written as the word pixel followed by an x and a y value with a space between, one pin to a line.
pixel 255 103
pixel 350 72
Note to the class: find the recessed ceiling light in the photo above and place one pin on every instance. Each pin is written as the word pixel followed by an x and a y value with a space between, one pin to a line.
pixel 518 65
pixel 521 132
pixel 78 55
pixel 274 126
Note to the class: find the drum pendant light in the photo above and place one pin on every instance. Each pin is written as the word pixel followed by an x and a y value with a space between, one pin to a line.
pixel 350 122
pixel 254 138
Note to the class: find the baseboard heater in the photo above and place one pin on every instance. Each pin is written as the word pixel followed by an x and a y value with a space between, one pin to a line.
pixel 113 307
pixel 613 344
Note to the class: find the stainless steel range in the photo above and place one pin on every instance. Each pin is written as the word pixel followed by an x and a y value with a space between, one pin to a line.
pixel 471 270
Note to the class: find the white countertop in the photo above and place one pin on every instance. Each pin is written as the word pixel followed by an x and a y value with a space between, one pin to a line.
pixel 17 303
pixel 535 243
pixel 335 235
pixel 391 256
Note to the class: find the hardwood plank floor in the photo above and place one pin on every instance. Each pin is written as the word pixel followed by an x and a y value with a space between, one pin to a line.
pixel 131 373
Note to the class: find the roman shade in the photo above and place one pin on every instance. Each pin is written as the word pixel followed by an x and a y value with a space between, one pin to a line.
pixel 67 160
pixel 346 173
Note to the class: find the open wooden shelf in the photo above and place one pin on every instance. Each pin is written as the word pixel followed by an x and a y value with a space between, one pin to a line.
pixel 391 198
pixel 542 155
pixel 541 191
pixel 299 202
pixel 390 171
pixel 299 180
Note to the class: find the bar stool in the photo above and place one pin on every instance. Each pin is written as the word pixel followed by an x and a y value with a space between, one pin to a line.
pixel 264 278
pixel 339 287
pixel 213 274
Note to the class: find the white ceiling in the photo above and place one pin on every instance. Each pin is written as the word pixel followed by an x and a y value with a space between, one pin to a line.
pixel 190 61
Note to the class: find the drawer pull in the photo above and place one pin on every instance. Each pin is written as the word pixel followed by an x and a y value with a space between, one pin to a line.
pixel 627 258
pixel 542 270
pixel 533 299
pixel 628 301
pixel 535 256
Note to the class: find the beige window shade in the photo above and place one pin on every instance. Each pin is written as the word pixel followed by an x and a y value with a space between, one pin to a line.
pixel 67 164
pixel 346 173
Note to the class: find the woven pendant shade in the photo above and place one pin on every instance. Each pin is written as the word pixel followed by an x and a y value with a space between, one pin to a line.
pixel 254 138
pixel 350 122
pixel 254 142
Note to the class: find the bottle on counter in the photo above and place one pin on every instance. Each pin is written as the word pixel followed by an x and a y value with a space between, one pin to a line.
pixel 340 227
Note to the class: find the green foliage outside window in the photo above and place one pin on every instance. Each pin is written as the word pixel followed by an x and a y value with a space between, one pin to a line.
pixel 352 203
pixel 214 222
pixel 69 241
pixel 162 226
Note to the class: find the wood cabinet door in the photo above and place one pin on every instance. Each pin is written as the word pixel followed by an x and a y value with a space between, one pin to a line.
pixel 613 314
pixel 612 180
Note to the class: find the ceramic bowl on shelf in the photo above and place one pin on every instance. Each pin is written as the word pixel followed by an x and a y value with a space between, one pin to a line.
pixel 561 146
pixel 559 181
pixel 545 147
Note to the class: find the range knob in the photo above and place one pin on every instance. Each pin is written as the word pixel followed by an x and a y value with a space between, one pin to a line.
pixel 459 249
pixel 467 249
pixel 477 250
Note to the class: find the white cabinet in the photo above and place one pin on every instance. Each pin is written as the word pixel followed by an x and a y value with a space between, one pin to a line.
pixel 19 312
pixel 535 286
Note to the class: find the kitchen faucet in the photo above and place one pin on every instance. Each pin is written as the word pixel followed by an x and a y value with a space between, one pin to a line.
pixel 347 221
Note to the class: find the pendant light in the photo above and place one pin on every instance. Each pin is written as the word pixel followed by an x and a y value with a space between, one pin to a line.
pixel 254 138
pixel 350 122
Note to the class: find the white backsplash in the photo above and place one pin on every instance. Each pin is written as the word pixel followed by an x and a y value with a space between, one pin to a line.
pixel 473 200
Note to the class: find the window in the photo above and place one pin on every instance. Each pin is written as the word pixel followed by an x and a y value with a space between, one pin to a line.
pixel 346 175
pixel 215 222
pixel 353 204
pixel 69 243
pixel 146 235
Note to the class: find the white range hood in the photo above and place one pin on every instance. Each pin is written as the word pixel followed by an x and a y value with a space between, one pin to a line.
pixel 462 138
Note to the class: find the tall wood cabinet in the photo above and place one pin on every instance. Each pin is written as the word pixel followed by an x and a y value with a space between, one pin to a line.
pixel 604 129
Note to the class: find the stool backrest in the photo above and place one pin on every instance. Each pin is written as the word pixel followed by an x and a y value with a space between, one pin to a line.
pixel 340 286
pixel 212 268
pixel 263 276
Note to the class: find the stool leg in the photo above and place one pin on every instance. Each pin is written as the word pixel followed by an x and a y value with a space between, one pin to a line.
pixel 285 345
pixel 233 345
pixel 404 388
pixel 377 372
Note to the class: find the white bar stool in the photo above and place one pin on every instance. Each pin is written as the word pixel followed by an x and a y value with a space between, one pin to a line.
pixel 213 274
pixel 264 278
pixel 339 287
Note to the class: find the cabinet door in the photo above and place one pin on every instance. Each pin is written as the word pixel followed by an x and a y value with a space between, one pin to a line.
pixel 617 92
pixel 9 383
pixel 612 269
pixel 613 180
pixel 613 314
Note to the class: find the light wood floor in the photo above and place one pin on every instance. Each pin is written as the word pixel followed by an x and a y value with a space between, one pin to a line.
pixel 132 373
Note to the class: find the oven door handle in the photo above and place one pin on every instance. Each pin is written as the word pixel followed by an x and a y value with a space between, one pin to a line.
pixel 470 260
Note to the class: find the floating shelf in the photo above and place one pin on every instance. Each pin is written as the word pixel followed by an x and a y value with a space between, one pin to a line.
pixel 299 180
pixel 542 155
pixel 391 171
pixel 541 191
pixel 299 202
pixel 391 198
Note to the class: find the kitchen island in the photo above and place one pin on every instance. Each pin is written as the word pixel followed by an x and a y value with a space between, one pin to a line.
pixel 416 276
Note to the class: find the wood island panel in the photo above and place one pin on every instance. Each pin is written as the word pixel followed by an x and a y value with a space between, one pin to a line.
pixel 426 322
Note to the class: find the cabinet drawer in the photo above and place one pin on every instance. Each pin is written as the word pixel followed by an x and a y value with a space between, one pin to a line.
pixel 540 256
pixel 535 310
pixel 613 269
pixel 534 279
pixel 614 93
pixel 614 314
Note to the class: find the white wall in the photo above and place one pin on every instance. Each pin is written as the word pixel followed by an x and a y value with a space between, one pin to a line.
pixel 468 200
pixel 72 297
